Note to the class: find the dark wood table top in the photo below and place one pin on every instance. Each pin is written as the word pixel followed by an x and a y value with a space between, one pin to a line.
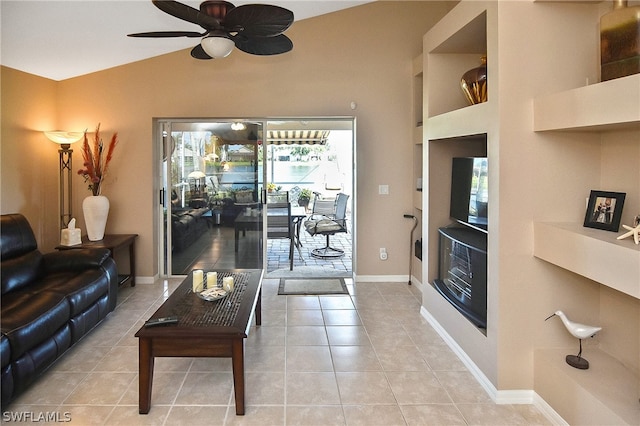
pixel 109 241
pixel 229 316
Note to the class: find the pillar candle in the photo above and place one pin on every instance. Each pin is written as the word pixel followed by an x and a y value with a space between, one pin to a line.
pixel 197 280
pixel 212 280
pixel 227 283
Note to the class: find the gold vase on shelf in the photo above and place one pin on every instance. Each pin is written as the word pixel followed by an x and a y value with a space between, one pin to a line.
pixel 474 83
pixel 620 41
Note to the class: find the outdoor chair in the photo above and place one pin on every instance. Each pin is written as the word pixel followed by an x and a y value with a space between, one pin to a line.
pixel 279 225
pixel 328 224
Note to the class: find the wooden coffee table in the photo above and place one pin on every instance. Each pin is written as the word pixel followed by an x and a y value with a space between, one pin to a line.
pixel 204 329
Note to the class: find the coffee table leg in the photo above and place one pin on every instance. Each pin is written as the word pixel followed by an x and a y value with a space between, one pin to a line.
pixel 237 359
pixel 145 361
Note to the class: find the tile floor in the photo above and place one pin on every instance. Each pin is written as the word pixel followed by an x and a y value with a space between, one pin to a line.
pixel 368 358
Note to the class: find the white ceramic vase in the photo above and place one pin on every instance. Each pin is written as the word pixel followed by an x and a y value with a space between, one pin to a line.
pixel 96 211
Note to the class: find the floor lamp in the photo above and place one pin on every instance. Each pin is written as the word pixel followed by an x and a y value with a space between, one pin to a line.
pixel 65 139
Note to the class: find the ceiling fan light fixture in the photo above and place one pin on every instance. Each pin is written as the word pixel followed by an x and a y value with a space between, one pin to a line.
pixel 217 46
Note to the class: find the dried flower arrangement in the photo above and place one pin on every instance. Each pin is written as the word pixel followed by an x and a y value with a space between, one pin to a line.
pixel 95 163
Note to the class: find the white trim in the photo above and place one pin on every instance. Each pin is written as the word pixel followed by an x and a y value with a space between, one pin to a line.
pixel 146 280
pixel 499 397
pixel 381 278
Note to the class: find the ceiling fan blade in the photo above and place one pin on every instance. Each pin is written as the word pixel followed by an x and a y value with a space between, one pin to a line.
pixel 199 53
pixel 258 20
pixel 187 13
pixel 264 45
pixel 158 34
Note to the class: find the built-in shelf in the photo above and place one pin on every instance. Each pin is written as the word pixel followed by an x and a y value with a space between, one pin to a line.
pixel 610 105
pixel 606 393
pixel 593 253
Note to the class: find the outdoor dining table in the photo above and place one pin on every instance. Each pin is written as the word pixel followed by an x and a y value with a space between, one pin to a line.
pixel 249 221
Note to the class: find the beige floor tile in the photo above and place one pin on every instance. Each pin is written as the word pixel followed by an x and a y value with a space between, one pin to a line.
pixel 336 302
pixel 306 335
pixel 201 388
pixel 417 387
pixel 274 317
pixel 120 359
pixel 315 415
pixel 101 388
pixel 304 317
pixel 309 358
pixel 166 386
pixel 364 388
pixel 401 358
pixel 462 387
pixel 51 388
pixel 264 388
pixel 256 416
pixel 86 415
pixel 81 358
pixel 441 358
pixel 128 415
pixel 266 336
pixel 491 414
pixel 341 317
pixel 302 302
pixel 432 414
pixel 373 415
pixel 197 415
pixel 355 358
pixel 347 335
pixel 311 389
pixel 264 358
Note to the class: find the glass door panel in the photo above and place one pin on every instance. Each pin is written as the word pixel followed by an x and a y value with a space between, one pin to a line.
pixel 212 195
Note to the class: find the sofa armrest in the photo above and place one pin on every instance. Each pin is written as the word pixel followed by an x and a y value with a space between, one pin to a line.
pixel 75 259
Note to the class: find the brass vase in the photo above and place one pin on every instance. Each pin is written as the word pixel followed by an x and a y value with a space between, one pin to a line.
pixel 474 83
pixel 620 41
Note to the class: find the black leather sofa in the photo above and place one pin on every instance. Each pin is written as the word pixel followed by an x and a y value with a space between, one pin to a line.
pixel 49 302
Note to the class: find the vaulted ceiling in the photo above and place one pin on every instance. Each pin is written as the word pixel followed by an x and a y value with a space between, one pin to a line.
pixel 64 39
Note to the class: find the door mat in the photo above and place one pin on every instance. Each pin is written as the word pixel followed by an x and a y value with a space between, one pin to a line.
pixel 312 286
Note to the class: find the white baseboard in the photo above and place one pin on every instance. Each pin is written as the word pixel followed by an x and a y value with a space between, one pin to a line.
pixel 146 280
pixel 382 278
pixel 499 397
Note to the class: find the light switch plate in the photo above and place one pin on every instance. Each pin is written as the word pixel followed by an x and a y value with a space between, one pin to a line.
pixel 383 189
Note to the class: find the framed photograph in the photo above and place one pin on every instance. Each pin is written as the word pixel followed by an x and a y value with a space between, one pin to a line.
pixel 604 210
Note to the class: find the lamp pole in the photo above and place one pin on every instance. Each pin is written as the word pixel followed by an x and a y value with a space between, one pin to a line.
pixel 65 139
pixel 65 183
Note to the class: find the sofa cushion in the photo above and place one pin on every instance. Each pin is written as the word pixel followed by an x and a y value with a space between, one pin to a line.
pixel 19 272
pixel 30 318
pixel 81 289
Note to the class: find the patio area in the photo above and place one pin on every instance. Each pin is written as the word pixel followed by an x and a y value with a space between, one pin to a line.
pixel 215 250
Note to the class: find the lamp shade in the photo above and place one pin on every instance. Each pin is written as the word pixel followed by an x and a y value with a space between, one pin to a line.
pixel 196 174
pixel 217 46
pixel 62 137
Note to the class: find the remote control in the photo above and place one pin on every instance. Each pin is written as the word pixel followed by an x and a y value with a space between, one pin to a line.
pixel 161 321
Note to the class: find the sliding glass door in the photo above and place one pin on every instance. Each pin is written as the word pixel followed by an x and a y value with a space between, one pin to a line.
pixel 217 174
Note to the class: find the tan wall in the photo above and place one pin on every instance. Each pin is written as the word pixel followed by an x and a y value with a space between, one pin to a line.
pixel 29 161
pixel 363 54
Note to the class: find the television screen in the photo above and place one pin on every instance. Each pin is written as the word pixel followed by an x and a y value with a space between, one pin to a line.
pixel 469 191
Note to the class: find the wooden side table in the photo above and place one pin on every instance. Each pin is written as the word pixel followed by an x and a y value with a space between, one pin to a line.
pixel 113 242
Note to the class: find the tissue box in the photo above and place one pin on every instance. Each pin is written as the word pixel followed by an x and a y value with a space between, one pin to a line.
pixel 70 237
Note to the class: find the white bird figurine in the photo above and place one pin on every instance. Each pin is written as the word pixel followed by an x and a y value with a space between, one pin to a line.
pixel 579 331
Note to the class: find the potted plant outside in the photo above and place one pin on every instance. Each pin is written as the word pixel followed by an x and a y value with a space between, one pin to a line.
pixel 304 198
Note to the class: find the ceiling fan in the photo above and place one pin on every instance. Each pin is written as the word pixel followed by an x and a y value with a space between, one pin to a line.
pixel 253 28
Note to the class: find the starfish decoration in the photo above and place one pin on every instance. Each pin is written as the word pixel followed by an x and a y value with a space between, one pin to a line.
pixel 632 231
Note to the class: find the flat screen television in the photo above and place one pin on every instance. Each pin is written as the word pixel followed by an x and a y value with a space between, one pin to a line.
pixel 470 192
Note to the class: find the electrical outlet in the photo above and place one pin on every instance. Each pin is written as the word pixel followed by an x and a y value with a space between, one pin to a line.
pixel 383 189
pixel 383 253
